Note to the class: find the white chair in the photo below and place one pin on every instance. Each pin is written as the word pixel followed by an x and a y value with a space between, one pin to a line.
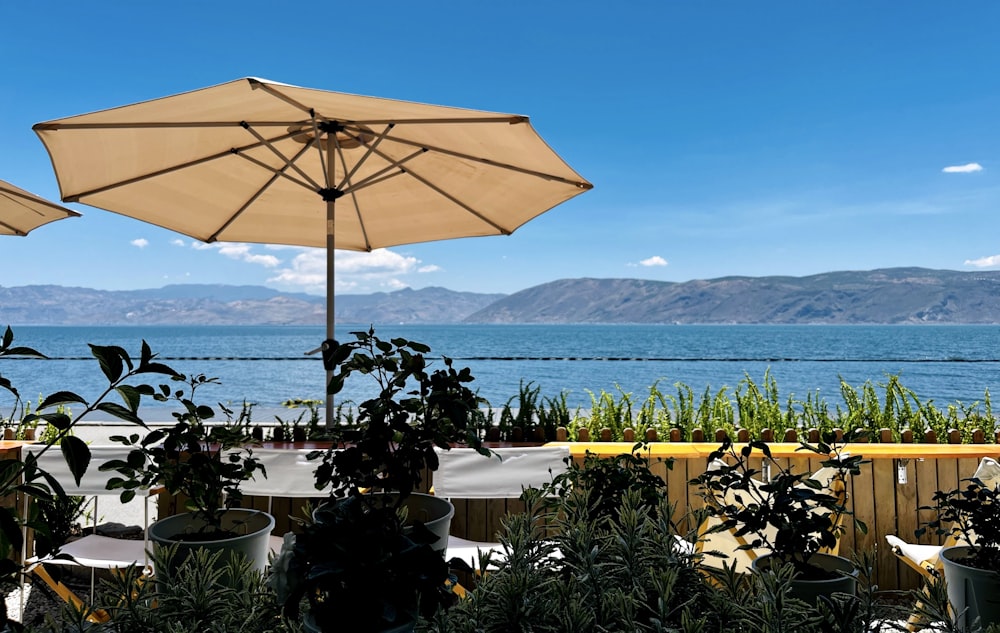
pixel 463 473
pixel 93 550
pixel 289 474
pixel 924 558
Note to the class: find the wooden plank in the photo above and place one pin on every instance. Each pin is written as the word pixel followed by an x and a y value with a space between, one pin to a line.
pixel 906 521
pixel 477 521
pixel 679 492
pixel 460 522
pixel 496 510
pixel 948 477
pixel 926 473
pixel 861 491
pixel 884 490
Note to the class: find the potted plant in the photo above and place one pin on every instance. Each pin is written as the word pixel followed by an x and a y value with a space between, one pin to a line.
pixel 608 480
pixel 969 516
pixel 23 476
pixel 204 463
pixel 370 558
pixel 791 517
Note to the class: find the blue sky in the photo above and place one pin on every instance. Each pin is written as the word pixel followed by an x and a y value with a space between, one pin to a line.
pixel 722 138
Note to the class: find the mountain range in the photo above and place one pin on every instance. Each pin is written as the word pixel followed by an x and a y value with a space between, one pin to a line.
pixel 892 295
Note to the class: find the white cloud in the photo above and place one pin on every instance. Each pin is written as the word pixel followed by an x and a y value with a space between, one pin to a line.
pixel 984 262
pixel 655 260
pixel 380 269
pixel 963 169
pixel 140 242
pixel 177 242
pixel 240 252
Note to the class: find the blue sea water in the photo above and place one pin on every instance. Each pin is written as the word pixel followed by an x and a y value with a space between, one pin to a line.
pixel 267 365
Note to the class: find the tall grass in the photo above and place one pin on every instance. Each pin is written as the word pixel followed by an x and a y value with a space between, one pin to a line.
pixel 754 407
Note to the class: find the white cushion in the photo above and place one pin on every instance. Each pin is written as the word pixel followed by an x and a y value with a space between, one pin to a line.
pixel 465 474
pixel 102 552
pixel 919 554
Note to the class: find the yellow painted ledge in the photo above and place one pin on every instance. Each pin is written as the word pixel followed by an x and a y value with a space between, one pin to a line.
pixel 694 450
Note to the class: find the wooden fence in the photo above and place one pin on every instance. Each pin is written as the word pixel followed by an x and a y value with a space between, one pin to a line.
pixel 879 496
pixel 894 483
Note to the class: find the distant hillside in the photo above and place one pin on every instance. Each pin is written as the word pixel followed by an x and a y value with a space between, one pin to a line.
pixel 896 295
pixel 427 305
pixel 227 305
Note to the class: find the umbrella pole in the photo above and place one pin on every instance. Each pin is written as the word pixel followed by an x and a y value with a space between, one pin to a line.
pixel 331 183
pixel 330 205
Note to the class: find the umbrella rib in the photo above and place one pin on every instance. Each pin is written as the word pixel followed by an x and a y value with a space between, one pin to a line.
pixel 447 195
pixel 582 184
pixel 310 185
pixel 393 170
pixel 19 199
pixel 77 197
pixel 512 119
pixel 370 149
pixel 277 94
pixel 14 229
pixel 274 176
pixel 215 236
pixel 274 150
pixel 112 125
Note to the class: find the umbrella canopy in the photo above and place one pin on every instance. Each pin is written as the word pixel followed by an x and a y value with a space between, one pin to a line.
pixel 253 160
pixel 22 211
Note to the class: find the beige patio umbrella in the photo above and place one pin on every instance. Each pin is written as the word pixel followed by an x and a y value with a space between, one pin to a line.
pixel 22 211
pixel 253 160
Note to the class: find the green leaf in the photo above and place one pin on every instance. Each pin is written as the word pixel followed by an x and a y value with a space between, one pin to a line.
pixel 112 464
pixel 59 420
pixel 130 396
pixel 110 358
pixel 157 368
pixel 24 351
pixel 77 456
pixel 119 412
pixel 10 528
pixel 61 397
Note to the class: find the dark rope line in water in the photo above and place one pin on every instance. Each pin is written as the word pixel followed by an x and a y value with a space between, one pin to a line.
pixel 775 359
